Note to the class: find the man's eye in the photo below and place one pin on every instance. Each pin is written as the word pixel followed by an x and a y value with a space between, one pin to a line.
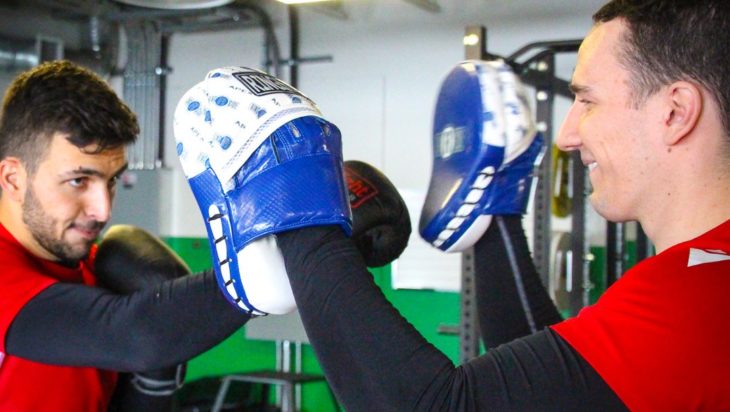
pixel 77 182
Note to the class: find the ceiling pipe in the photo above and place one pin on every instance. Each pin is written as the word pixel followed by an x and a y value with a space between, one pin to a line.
pixel 17 54
pixel 22 54
pixel 294 45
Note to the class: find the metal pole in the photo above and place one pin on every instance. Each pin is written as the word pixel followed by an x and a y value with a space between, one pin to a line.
pixel 545 96
pixel 474 41
pixel 580 285
pixel 615 251
pixel 644 248
pixel 469 325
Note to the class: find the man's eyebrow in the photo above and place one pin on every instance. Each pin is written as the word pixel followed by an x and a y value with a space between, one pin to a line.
pixel 85 171
pixel 578 89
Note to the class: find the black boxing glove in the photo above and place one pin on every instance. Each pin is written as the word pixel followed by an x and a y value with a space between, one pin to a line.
pixel 130 259
pixel 381 224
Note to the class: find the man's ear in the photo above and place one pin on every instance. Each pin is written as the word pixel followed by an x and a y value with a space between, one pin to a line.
pixel 684 106
pixel 13 178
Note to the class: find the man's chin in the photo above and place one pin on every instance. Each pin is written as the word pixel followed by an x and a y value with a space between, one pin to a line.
pixel 600 205
pixel 610 210
pixel 79 251
pixel 82 252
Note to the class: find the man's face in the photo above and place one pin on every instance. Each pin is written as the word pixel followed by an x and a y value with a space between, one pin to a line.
pixel 69 198
pixel 614 136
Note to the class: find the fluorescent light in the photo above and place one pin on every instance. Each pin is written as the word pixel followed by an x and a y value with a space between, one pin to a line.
pixel 301 1
pixel 176 4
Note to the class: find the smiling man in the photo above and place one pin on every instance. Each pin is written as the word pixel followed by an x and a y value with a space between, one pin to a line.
pixel 651 118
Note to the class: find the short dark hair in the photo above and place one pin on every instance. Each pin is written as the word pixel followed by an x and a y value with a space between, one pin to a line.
pixel 61 96
pixel 670 40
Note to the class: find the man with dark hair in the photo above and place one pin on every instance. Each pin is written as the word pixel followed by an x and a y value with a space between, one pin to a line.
pixel 63 136
pixel 62 108
pixel 67 100
pixel 669 41
pixel 650 120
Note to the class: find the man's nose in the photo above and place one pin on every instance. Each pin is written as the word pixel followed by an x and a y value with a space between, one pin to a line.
pixel 99 204
pixel 568 138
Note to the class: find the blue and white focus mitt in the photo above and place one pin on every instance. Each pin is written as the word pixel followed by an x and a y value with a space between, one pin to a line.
pixel 485 148
pixel 260 159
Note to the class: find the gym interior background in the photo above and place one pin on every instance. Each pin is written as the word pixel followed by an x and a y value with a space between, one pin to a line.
pixel 374 68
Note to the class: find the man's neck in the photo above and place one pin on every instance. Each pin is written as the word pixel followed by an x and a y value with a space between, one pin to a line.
pixel 691 208
pixel 684 228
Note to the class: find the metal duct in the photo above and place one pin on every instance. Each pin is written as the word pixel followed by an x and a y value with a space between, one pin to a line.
pixel 142 91
pixel 22 54
pixel 144 70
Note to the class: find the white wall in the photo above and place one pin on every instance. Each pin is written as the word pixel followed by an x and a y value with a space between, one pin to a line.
pixel 381 86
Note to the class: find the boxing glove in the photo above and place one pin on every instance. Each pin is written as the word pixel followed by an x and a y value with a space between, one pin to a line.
pixel 260 159
pixel 130 259
pixel 381 224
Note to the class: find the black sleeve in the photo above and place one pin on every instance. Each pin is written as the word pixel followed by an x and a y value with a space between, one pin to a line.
pixel 503 266
pixel 375 360
pixel 77 325
pixel 127 398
